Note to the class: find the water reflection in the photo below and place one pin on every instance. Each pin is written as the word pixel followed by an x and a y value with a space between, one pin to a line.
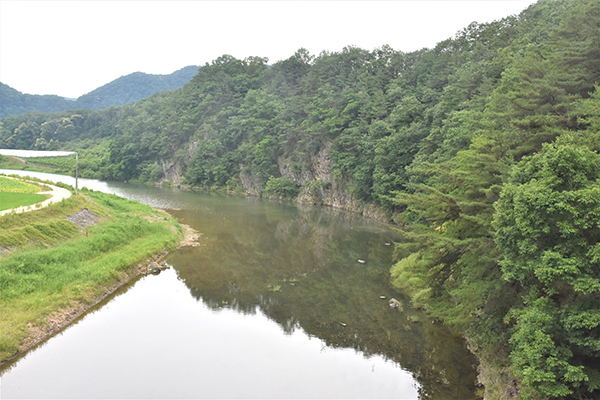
pixel 300 267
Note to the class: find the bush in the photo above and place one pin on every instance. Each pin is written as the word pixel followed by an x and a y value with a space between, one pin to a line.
pixel 282 187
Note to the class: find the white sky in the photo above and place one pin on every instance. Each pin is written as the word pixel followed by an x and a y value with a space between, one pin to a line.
pixel 70 48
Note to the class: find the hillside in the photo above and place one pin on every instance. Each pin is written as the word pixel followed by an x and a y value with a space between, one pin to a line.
pixel 134 87
pixel 126 89
pixel 13 102
pixel 485 148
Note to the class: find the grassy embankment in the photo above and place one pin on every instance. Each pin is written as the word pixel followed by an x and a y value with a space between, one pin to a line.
pixel 48 263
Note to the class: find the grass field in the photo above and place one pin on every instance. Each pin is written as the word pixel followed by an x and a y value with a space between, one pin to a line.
pixel 15 193
pixel 17 186
pixel 48 262
pixel 14 200
pixel 65 164
pixel 14 163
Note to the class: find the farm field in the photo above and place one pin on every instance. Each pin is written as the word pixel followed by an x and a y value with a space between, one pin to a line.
pixel 15 193
pixel 13 200
pixel 17 186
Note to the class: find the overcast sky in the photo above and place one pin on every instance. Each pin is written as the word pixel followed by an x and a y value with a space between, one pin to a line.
pixel 69 48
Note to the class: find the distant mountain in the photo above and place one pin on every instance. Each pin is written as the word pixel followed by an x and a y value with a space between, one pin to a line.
pixel 13 102
pixel 126 89
pixel 134 87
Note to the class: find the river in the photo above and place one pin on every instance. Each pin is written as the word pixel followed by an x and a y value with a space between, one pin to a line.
pixel 274 303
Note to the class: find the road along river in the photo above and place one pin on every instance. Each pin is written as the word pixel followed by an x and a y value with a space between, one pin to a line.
pixel 273 303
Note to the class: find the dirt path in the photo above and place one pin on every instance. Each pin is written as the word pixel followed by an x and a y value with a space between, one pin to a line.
pixel 56 195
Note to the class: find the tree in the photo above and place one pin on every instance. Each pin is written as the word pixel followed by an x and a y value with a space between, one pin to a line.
pixel 547 225
pixel 576 47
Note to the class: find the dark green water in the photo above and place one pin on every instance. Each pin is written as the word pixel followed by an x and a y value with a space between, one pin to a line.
pixel 273 304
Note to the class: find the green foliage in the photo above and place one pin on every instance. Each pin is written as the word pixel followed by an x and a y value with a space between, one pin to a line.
pixel 282 187
pixel 17 186
pixel 151 173
pixel 547 219
pixel 14 102
pixel 547 226
pixel 577 47
pixel 123 90
pixel 449 262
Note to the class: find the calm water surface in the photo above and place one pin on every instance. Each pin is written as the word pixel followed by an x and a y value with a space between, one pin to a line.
pixel 273 304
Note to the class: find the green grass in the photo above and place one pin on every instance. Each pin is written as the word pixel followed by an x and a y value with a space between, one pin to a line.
pixel 60 264
pixel 12 200
pixel 17 186
pixel 14 163
pixel 62 163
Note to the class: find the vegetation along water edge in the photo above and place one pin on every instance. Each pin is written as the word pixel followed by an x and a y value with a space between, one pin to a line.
pixel 58 261
pixel 484 148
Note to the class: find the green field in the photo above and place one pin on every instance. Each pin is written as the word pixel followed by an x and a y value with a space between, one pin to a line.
pixel 16 164
pixel 17 186
pixel 15 193
pixel 13 200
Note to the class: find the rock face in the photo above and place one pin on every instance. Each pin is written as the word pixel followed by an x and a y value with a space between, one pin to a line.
pixel 251 184
pixel 171 171
pixel 314 176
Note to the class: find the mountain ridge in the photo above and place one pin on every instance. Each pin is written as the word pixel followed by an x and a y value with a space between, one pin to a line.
pixel 123 90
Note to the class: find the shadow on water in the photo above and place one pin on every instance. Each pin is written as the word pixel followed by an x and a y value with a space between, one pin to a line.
pixel 300 266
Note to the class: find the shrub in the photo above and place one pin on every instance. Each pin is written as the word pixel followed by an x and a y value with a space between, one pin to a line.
pixel 282 187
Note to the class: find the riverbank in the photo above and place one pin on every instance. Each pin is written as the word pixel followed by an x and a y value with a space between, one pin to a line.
pixel 57 262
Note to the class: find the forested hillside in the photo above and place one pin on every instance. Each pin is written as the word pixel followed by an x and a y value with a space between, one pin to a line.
pixel 485 148
pixel 126 89
pixel 14 102
pixel 134 87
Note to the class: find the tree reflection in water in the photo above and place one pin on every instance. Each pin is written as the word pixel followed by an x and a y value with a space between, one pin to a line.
pixel 300 267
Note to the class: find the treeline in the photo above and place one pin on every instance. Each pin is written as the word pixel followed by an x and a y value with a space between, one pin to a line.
pixel 504 235
pixel 488 145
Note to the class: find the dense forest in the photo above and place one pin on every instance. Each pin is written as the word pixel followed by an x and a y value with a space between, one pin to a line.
pixel 484 149
pixel 126 89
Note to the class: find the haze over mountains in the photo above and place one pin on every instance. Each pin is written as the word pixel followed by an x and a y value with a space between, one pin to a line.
pixel 126 89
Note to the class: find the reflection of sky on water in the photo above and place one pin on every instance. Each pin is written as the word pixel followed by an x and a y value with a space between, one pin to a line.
pixel 157 341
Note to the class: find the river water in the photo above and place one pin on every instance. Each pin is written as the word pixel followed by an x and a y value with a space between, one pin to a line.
pixel 274 303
